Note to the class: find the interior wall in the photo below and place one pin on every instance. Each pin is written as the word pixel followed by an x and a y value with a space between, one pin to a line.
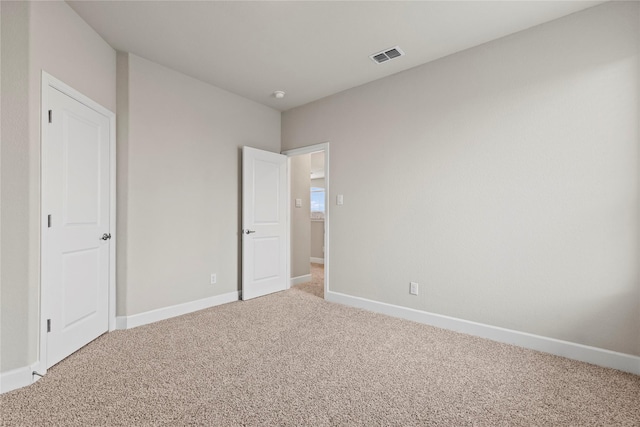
pixel 317 227
pixel 300 173
pixel 317 239
pixel 54 39
pixel 506 181
pixel 181 186
pixel 122 168
pixel 14 209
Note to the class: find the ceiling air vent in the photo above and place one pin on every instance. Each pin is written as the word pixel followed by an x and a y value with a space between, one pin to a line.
pixel 386 55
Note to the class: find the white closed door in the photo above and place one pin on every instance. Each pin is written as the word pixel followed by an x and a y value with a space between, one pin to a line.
pixel 264 222
pixel 76 235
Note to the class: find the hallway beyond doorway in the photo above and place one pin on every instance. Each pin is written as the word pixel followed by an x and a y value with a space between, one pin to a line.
pixel 316 285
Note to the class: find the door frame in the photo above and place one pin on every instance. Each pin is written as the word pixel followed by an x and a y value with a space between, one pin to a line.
pixel 324 146
pixel 49 81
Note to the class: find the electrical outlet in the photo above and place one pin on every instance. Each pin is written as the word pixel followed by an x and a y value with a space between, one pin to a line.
pixel 214 279
pixel 413 289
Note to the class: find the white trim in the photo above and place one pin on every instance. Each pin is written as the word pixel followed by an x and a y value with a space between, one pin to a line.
pixel 316 260
pixel 300 279
pixel 47 81
pixel 112 226
pixel 18 378
pixel 128 322
pixel 327 208
pixel 583 353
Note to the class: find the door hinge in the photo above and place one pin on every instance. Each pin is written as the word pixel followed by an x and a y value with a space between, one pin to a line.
pixel 50 116
pixel 48 325
pixel 49 221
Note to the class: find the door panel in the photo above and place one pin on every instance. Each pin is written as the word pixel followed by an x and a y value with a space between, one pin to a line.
pixel 80 285
pixel 81 170
pixel 265 258
pixel 76 193
pixel 266 185
pixel 264 223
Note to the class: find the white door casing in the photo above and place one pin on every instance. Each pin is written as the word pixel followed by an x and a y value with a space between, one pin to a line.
pixel 264 222
pixel 77 283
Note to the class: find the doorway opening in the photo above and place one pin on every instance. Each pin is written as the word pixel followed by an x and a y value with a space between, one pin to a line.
pixel 309 219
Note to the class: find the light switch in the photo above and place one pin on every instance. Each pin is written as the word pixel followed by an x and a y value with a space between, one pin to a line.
pixel 339 199
pixel 298 203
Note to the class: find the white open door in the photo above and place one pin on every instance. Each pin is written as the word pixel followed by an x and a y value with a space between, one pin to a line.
pixel 264 222
pixel 76 230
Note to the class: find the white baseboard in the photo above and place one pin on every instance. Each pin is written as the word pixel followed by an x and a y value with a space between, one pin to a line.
pixel 300 279
pixel 128 322
pixel 583 353
pixel 317 260
pixel 18 378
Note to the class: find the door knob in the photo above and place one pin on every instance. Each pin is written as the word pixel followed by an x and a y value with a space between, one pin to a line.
pixel 106 236
pixel 249 231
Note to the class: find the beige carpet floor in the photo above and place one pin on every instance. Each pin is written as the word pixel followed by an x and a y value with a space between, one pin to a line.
pixel 293 359
pixel 316 285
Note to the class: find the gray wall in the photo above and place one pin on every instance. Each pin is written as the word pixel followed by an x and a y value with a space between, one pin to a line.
pixel 506 181
pixel 300 217
pixel 317 228
pixel 179 185
pixel 36 36
pixel 14 136
pixel 317 182
pixel 317 239
pixel 122 179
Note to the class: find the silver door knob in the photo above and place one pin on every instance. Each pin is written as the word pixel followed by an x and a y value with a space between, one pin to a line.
pixel 106 236
pixel 249 231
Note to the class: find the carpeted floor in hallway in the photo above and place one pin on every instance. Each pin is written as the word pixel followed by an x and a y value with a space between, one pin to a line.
pixel 316 285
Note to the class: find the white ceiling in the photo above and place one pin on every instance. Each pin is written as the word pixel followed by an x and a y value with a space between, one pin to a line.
pixel 309 49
